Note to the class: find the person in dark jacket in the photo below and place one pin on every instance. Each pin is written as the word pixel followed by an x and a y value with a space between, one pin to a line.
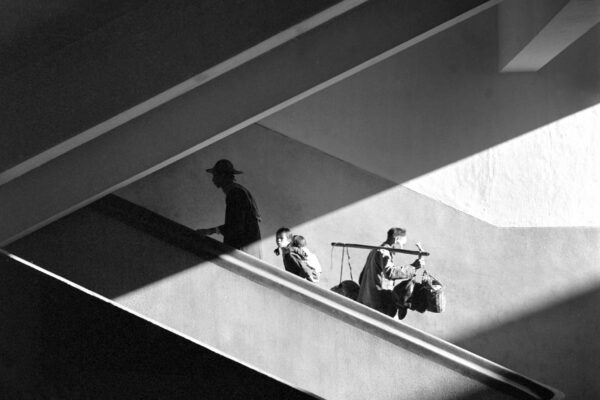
pixel 241 229
pixel 293 261
pixel 380 274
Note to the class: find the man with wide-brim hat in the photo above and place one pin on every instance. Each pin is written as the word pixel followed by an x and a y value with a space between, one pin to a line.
pixel 241 229
pixel 224 167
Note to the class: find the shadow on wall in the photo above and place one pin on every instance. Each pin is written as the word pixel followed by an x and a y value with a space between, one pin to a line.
pixel 295 184
pixel 287 192
pixel 291 182
pixel 441 101
pixel 115 258
pixel 565 338
pixel 328 200
pixel 125 63
pixel 103 254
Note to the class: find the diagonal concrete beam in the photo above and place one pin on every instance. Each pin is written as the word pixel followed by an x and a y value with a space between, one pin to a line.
pixel 313 61
pixel 532 33
pixel 136 63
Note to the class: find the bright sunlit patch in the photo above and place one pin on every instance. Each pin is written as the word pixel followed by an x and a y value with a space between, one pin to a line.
pixel 547 177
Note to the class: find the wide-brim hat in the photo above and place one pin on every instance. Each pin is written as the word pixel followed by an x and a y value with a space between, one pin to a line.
pixel 223 167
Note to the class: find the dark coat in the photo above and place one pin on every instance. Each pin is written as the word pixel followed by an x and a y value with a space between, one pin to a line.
pixel 293 261
pixel 241 228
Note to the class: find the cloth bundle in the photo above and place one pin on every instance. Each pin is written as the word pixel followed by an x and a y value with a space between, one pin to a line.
pixel 426 294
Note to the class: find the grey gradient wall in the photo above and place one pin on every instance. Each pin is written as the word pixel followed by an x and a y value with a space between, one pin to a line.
pixel 443 100
pixel 317 345
pixel 523 297
pixel 494 277
pixel 127 62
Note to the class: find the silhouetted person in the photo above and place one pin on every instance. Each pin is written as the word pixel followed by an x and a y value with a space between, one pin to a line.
pixel 241 228
pixel 380 275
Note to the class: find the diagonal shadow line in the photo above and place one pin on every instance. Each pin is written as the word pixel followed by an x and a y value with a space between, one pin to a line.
pixel 442 160
pixel 388 184
pixel 479 95
pixel 427 346
pixel 116 237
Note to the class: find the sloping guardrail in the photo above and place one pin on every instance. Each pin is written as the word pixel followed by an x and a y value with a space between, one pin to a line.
pixel 421 343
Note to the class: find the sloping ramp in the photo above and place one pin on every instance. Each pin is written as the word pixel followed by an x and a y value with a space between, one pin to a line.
pixel 301 333
pixel 61 341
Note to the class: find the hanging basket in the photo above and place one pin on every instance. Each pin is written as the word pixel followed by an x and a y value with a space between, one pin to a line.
pixel 347 289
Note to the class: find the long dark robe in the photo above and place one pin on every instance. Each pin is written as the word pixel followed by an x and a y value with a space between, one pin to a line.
pixel 241 228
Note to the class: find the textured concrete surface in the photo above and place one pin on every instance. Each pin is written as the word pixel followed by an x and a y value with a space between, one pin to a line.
pixel 493 276
pixel 285 336
pixel 444 100
pixel 547 177
pixel 220 107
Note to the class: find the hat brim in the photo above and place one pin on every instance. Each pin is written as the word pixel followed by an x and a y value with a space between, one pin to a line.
pixel 235 171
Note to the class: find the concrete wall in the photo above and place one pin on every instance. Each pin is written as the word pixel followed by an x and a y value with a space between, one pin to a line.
pixel 547 177
pixel 127 62
pixel 292 184
pixel 443 100
pixel 296 342
pixel 429 106
pixel 493 276
pixel 60 342
pixel 108 267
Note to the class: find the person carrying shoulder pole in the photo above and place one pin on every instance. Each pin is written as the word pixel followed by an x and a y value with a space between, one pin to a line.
pixel 380 274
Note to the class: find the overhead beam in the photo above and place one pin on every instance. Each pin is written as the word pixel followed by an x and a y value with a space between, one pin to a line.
pixel 136 63
pixel 532 33
pixel 313 61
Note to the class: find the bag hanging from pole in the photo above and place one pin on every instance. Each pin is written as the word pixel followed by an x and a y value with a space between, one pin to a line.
pixel 347 288
pixel 424 295
pixel 419 299
pixel 434 292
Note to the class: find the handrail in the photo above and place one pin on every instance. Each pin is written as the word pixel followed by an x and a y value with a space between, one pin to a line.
pixel 362 317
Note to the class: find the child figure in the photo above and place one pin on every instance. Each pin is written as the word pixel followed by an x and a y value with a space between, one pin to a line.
pixel 310 263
